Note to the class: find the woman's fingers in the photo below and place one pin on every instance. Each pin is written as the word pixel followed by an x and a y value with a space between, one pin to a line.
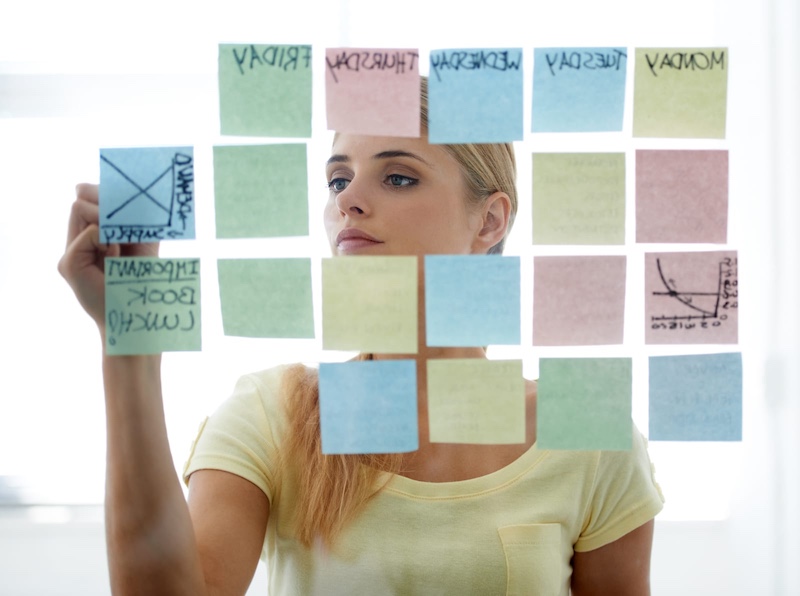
pixel 85 210
pixel 82 267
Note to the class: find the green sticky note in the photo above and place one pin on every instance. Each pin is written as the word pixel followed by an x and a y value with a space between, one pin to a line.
pixel 584 404
pixel 261 191
pixel 152 305
pixel 476 401
pixel 370 304
pixel 266 297
pixel 579 198
pixel 265 90
pixel 680 92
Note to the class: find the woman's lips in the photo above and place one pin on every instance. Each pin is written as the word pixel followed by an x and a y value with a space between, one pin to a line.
pixel 352 240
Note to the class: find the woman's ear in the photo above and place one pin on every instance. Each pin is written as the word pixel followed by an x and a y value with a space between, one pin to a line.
pixel 495 212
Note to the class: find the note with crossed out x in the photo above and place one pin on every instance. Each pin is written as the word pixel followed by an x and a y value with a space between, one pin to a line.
pixel 146 194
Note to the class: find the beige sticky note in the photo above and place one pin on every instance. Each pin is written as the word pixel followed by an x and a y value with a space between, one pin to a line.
pixel 682 196
pixel 578 300
pixel 691 297
pixel 373 91
pixel 370 304
pixel 680 92
pixel 476 401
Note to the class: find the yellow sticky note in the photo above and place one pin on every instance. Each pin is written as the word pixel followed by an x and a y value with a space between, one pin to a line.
pixel 476 401
pixel 369 304
pixel 578 198
pixel 680 92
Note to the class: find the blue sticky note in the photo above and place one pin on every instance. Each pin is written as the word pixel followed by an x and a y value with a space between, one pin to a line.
pixel 475 96
pixel 696 398
pixel 368 406
pixel 146 194
pixel 578 89
pixel 472 300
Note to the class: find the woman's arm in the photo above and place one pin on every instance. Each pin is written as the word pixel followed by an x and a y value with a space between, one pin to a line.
pixel 155 546
pixel 621 568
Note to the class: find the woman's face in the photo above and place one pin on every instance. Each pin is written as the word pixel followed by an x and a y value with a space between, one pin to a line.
pixel 396 196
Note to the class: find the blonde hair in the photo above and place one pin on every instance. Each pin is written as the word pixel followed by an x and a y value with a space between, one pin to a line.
pixel 333 489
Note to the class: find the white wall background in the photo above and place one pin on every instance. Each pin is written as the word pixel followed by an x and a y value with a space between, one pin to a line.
pixel 81 75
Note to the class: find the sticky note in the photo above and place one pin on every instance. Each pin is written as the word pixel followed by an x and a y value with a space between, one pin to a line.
pixel 266 297
pixel 472 400
pixel 146 194
pixel 584 404
pixel 691 297
pixel 696 398
pixel 475 96
pixel 368 406
pixel 578 198
pixel 265 90
pixel 370 304
pixel 682 196
pixel 578 300
pixel 680 92
pixel 471 300
pixel 578 89
pixel 152 305
pixel 373 91
pixel 261 191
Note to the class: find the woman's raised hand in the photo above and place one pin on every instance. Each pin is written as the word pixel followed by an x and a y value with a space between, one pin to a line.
pixel 82 262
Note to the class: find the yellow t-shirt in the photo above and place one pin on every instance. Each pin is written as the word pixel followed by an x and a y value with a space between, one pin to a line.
pixel 510 532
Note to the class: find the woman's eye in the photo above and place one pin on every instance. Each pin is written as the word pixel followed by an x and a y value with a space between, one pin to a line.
pixel 400 180
pixel 338 184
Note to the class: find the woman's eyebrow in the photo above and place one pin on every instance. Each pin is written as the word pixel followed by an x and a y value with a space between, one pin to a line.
pixel 339 158
pixel 399 153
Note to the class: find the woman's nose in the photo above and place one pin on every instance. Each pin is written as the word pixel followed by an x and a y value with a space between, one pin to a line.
pixel 353 200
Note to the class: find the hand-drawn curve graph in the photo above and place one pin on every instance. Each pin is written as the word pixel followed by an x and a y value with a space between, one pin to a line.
pixel 691 298
pixel 146 194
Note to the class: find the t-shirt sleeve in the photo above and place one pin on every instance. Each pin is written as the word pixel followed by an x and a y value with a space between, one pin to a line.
pixel 625 495
pixel 241 436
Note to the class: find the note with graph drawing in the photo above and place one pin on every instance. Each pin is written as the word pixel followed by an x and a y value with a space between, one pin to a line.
pixel 691 297
pixel 146 194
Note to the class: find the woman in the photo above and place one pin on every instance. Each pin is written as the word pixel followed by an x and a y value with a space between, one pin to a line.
pixel 446 519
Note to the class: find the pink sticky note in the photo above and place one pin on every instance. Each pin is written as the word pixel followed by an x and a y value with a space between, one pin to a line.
pixel 372 91
pixel 682 196
pixel 578 300
pixel 691 297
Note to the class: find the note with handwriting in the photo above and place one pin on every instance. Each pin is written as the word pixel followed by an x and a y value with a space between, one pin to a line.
pixel 584 404
pixel 152 305
pixel 680 92
pixel 696 397
pixel 578 198
pixel 682 196
pixel 261 191
pixel 475 95
pixel 373 91
pixel 266 297
pixel 578 300
pixel 472 300
pixel 691 297
pixel 476 401
pixel 265 90
pixel 369 304
pixel 578 89
pixel 368 406
pixel 146 194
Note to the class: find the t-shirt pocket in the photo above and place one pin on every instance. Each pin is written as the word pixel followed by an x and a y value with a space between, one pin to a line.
pixel 533 559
